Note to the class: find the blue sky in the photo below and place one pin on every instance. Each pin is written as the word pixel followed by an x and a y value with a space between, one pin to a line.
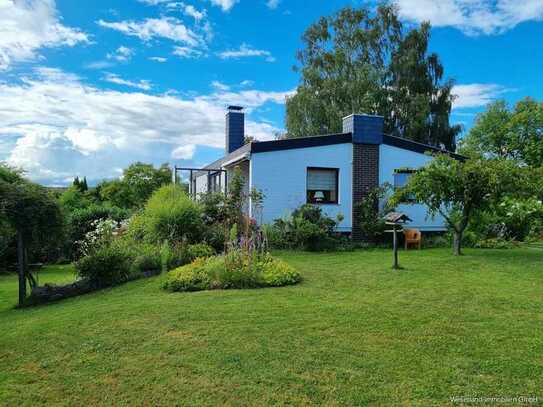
pixel 87 87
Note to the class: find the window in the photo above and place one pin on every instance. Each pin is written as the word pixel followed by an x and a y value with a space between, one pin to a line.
pixel 215 182
pixel 322 185
pixel 401 177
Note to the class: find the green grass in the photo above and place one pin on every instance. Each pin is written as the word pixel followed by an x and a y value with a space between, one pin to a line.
pixel 353 333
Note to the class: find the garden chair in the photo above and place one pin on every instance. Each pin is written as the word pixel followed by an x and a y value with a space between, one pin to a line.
pixel 412 237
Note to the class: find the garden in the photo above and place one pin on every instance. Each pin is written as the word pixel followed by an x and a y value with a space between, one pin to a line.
pixel 132 292
pixel 353 332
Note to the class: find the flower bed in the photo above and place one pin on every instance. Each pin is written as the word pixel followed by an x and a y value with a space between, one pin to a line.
pixel 234 270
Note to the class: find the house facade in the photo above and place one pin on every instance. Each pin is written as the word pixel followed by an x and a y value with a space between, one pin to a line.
pixel 333 171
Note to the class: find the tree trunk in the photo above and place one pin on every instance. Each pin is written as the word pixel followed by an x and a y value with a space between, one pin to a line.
pixel 457 242
pixel 21 267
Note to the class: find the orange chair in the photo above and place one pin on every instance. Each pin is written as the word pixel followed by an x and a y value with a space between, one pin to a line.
pixel 412 237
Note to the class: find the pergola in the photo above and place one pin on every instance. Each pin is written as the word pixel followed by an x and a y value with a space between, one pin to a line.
pixel 210 173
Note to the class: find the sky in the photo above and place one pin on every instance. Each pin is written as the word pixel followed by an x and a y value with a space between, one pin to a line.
pixel 88 87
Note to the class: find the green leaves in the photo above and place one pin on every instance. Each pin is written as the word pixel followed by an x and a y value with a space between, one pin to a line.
pixel 138 183
pixel 356 61
pixel 458 190
pixel 514 134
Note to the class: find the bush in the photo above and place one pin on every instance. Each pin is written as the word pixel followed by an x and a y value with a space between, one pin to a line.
pixel 192 277
pixel 370 218
pixel 235 270
pixel 496 244
pixel 83 221
pixel 170 215
pixel 433 241
pixel 215 236
pixel 213 207
pixel 277 273
pixel 199 250
pixel 145 263
pixel 307 229
pixel 136 227
pixel 181 254
pixel 108 265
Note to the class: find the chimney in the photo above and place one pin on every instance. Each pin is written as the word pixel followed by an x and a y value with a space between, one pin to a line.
pixel 365 128
pixel 235 128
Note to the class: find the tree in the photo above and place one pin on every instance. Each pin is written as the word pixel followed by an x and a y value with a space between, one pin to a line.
pixel 117 193
pixel 84 185
pixel 513 134
pixel 73 198
pixel 458 190
pixel 144 179
pixel 357 61
pixel 32 213
pixel 137 184
pixel 419 102
pixel 80 185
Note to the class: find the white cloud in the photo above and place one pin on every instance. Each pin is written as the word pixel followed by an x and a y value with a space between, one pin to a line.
pixel 154 2
pixel 28 26
pixel 99 65
pixel 476 94
pixel 185 152
pixel 121 54
pixel 190 11
pixel 226 5
pixel 245 51
pixel 272 4
pixel 113 78
pixel 165 27
pixel 220 86
pixel 187 52
pixel 187 9
pixel 472 16
pixel 247 82
pixel 55 126
pixel 159 59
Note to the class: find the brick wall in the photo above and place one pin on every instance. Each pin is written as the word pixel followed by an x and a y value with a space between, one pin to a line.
pixel 365 178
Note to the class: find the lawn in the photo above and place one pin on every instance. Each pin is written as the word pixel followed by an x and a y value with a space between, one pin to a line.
pixel 354 332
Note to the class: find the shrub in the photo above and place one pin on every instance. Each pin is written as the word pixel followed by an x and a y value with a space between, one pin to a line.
pixel 103 233
pixel 277 273
pixel 370 217
pixel 496 244
pixel 240 270
pixel 307 229
pixel 181 254
pixel 234 270
pixel 173 256
pixel 108 265
pixel 213 207
pixel 83 221
pixel 171 215
pixel 192 277
pixel 199 250
pixel 433 241
pixel 144 264
pixel 136 227
pixel 215 236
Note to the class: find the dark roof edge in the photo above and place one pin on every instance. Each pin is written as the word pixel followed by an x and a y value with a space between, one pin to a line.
pixel 301 142
pixel 417 147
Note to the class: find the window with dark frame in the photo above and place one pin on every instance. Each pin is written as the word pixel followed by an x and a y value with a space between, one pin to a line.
pixel 322 185
pixel 215 182
pixel 401 178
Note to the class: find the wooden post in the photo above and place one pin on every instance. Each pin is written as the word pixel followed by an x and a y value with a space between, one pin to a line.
pixel 21 267
pixel 395 240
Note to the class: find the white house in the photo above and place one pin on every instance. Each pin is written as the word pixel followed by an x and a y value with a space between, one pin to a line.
pixel 334 171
